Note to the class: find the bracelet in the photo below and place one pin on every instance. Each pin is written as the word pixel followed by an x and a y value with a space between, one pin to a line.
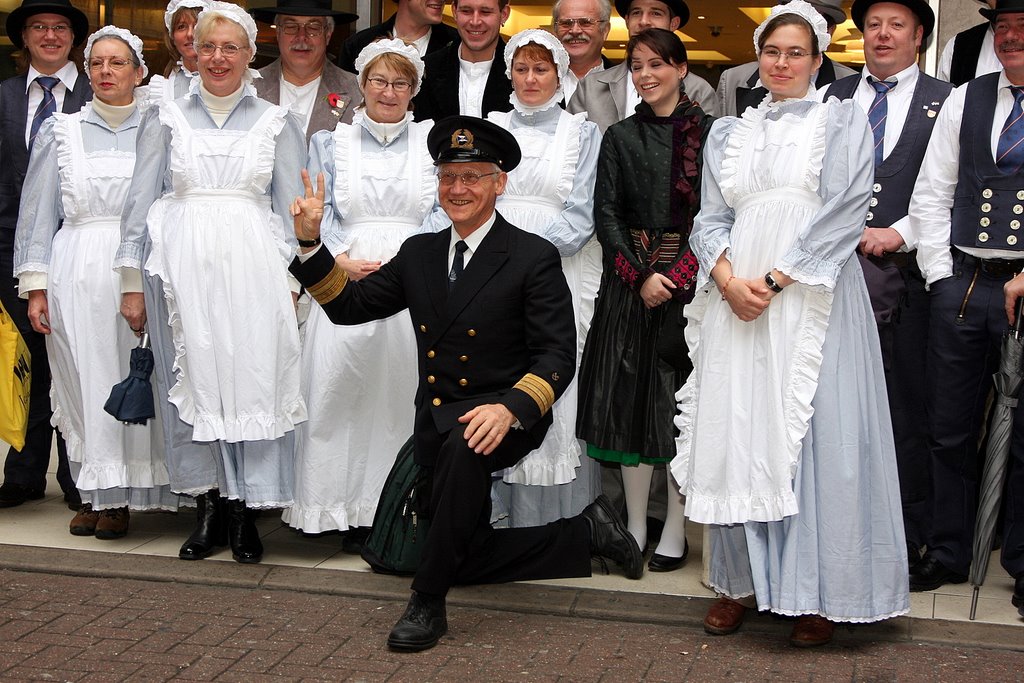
pixel 315 242
pixel 725 287
pixel 772 284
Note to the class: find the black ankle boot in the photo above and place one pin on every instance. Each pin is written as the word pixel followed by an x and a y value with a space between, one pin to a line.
pixel 211 527
pixel 246 546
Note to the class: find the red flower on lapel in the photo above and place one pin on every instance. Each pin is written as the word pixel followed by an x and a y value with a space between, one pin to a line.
pixel 336 103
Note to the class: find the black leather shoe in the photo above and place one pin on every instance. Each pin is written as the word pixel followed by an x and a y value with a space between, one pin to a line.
pixel 422 625
pixel 929 574
pixel 609 537
pixel 664 563
pixel 211 527
pixel 13 495
pixel 1018 594
pixel 913 556
pixel 243 536
pixel 73 499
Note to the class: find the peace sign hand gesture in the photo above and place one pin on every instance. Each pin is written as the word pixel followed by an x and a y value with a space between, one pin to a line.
pixel 308 210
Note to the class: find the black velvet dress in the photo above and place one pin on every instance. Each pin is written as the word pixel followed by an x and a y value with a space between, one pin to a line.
pixel 646 197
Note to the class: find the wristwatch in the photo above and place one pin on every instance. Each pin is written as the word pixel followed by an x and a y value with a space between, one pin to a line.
pixel 309 243
pixel 768 280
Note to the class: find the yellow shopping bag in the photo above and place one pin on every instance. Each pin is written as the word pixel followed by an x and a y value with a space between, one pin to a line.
pixel 15 382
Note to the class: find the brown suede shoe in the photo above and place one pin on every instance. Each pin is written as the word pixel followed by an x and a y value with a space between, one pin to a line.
pixel 811 630
pixel 112 523
pixel 724 616
pixel 84 521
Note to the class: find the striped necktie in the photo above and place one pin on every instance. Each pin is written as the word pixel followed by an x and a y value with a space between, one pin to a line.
pixel 1010 151
pixel 47 106
pixel 458 263
pixel 876 115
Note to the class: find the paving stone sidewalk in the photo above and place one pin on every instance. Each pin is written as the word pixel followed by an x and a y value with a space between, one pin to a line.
pixel 66 628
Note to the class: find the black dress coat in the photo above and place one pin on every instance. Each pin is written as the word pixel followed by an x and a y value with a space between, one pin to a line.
pixel 439 95
pixel 441 35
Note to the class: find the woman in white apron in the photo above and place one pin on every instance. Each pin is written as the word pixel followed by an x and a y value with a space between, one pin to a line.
pixel 551 194
pixel 76 184
pixel 216 174
pixel 380 187
pixel 180 20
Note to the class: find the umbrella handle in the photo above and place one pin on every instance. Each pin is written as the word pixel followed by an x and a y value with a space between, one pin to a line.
pixel 144 339
pixel 1017 326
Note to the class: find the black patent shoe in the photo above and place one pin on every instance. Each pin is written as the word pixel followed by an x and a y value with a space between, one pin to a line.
pixel 610 539
pixel 246 546
pixel 665 563
pixel 211 527
pixel 929 574
pixel 422 625
pixel 13 495
pixel 1018 594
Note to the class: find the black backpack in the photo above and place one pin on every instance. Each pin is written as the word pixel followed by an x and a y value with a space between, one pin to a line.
pixel 400 524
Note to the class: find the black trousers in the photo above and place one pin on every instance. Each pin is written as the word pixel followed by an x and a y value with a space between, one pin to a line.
pixel 967 325
pixel 901 307
pixel 462 548
pixel 28 466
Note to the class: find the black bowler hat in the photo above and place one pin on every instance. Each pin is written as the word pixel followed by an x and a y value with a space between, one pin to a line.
pixel 677 7
pixel 1002 7
pixel 29 8
pixel 303 8
pixel 462 139
pixel 919 7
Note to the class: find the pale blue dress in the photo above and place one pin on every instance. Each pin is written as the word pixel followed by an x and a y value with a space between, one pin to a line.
pixel 785 445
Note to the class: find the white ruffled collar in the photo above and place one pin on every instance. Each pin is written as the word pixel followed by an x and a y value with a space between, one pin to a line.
pixel 768 102
pixel 529 110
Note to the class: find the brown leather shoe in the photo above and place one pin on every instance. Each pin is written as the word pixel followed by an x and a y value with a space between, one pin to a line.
pixel 811 630
pixel 724 616
pixel 112 523
pixel 84 521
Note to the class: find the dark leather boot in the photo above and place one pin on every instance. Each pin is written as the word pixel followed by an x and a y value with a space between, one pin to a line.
pixel 211 527
pixel 246 546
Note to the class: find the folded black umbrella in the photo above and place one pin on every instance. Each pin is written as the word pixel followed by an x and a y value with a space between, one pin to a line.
pixel 131 400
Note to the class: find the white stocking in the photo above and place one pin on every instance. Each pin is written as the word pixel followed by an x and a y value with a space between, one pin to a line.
pixel 636 485
pixel 673 537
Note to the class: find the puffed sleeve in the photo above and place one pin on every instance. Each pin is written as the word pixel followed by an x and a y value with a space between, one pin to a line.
pixel 41 212
pixel 833 233
pixel 712 226
pixel 574 225
pixel 321 160
pixel 150 180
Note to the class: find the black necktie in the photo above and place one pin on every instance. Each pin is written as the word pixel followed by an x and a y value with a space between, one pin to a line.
pixel 457 264
pixel 47 106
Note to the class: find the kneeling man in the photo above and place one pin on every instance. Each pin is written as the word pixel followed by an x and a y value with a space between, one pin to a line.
pixel 497 346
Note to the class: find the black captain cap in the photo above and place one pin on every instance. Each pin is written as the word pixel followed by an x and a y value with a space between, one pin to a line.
pixel 462 139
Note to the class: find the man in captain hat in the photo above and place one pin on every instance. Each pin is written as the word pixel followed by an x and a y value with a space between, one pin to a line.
pixel 497 345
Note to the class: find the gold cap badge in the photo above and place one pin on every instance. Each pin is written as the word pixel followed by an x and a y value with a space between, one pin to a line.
pixel 462 139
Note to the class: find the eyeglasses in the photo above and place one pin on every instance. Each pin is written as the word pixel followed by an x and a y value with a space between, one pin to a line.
pixel 41 29
pixel 209 49
pixel 116 63
pixel 469 178
pixel 379 83
pixel 310 28
pixel 774 54
pixel 583 22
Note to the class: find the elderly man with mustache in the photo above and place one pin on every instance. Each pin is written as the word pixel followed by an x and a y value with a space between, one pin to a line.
pixel 582 26
pixel 302 80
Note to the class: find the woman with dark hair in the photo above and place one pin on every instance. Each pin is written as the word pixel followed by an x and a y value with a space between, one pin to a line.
pixel 380 185
pixel 180 21
pixel 785 446
pixel 648 187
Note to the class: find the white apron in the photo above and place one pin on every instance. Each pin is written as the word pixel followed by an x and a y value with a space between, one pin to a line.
pixel 225 281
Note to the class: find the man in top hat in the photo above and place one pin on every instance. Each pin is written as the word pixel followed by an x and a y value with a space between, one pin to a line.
pixel 969 54
pixel 609 96
pixel 966 212
pixel 740 87
pixel 417 22
pixel 582 26
pixel 902 105
pixel 301 79
pixel 46 30
pixel 468 77
pixel 496 344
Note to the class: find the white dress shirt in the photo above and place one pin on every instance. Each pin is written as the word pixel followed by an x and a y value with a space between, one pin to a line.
pixel 68 75
pixel 932 201
pixel 472 81
pixel 988 63
pixel 300 99
pixel 472 242
pixel 898 103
